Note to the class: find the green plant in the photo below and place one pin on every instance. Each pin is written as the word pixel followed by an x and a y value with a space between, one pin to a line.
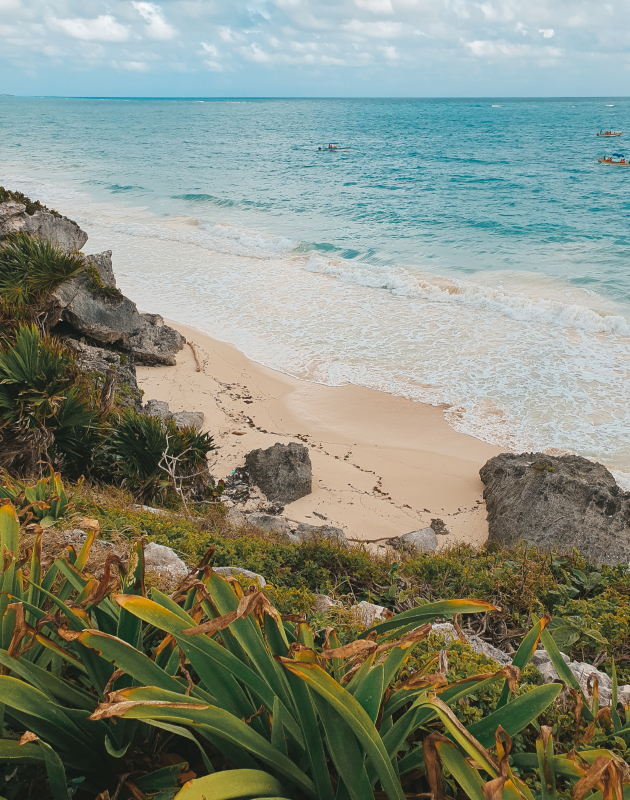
pixel 31 269
pixel 47 501
pixel 149 455
pixel 31 206
pixel 97 286
pixel 39 400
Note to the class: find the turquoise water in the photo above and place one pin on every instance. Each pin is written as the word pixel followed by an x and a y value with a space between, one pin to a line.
pixel 465 252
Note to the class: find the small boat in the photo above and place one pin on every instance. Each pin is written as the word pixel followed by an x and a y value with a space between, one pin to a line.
pixel 609 133
pixel 332 146
pixel 608 160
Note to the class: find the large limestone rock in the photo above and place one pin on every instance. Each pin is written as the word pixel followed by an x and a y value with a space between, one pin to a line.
pixel 282 472
pixel 114 319
pixel 163 560
pixel 269 522
pixel 57 229
pixel 236 572
pixel 307 533
pixel 557 503
pixel 421 541
pixel 96 361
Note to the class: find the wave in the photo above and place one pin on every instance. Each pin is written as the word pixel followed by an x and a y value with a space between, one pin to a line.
pixel 518 306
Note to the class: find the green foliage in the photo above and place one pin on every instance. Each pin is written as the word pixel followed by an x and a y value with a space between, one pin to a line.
pixel 32 268
pixel 47 501
pixel 39 399
pixel 216 678
pixel 97 286
pixel 135 454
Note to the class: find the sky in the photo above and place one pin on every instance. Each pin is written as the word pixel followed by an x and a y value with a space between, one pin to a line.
pixel 315 48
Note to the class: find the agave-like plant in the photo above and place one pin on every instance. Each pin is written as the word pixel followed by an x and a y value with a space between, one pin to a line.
pixel 92 677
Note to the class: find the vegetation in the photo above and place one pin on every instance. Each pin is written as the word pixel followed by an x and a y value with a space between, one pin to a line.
pixel 31 206
pixel 99 690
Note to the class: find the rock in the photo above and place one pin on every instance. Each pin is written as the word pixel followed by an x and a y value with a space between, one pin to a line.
pixel 447 629
pixel 324 604
pixel 369 614
pixel 282 472
pixel 42 223
pixel 234 572
pixel 97 360
pixel 103 263
pixel 115 319
pixel 305 533
pixel 159 511
pixel 267 522
pixel 236 518
pixel 182 419
pixel 161 559
pixel 154 342
pixel 421 541
pixel 557 503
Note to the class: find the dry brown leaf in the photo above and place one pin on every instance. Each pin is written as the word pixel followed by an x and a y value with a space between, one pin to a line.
pixel 433 764
pixel 359 647
pixel 117 708
pixel 28 737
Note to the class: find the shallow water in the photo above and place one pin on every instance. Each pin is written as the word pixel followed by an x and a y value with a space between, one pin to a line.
pixel 465 252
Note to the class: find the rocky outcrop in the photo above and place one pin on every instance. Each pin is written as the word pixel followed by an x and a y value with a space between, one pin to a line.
pixel 557 503
pixel 113 318
pixel 96 361
pixel 306 533
pixel 182 419
pixel 282 472
pixel 269 522
pixel 165 562
pixel 422 541
pixel 57 229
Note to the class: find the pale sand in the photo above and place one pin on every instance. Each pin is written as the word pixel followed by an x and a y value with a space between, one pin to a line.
pixel 382 465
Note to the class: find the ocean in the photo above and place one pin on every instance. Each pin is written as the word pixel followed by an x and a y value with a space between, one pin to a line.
pixel 470 253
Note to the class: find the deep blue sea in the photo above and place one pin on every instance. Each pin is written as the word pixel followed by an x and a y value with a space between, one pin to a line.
pixel 470 253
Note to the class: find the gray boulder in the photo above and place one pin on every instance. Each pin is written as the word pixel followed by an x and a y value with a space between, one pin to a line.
pixel 42 223
pixel 283 472
pixel 183 419
pixel 114 319
pixel 96 361
pixel 305 533
pixel 421 541
pixel 163 560
pixel 235 572
pixel 557 503
pixel 268 522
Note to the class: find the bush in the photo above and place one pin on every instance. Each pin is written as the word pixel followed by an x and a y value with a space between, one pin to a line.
pixel 140 450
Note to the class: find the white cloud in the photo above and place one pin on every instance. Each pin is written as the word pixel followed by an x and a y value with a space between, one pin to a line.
pixel 376 6
pixel 213 66
pixel 488 49
pixel 135 66
pixel 210 48
pixel 390 52
pixel 157 27
pixel 382 30
pixel 103 28
pixel 546 32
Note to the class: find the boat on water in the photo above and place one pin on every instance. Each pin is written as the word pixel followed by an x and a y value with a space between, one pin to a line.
pixel 332 146
pixel 610 162
pixel 609 133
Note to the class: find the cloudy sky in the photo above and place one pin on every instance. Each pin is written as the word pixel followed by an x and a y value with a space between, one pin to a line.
pixel 315 47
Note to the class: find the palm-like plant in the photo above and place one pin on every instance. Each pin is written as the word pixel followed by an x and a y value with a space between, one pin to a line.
pixel 136 447
pixel 31 269
pixel 41 406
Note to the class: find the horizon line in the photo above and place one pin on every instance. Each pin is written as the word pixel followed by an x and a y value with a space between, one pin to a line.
pixel 314 97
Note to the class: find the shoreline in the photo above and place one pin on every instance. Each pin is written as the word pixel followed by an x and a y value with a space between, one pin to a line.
pixel 382 465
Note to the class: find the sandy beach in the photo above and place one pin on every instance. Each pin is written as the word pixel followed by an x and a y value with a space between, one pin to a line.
pixel 382 465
